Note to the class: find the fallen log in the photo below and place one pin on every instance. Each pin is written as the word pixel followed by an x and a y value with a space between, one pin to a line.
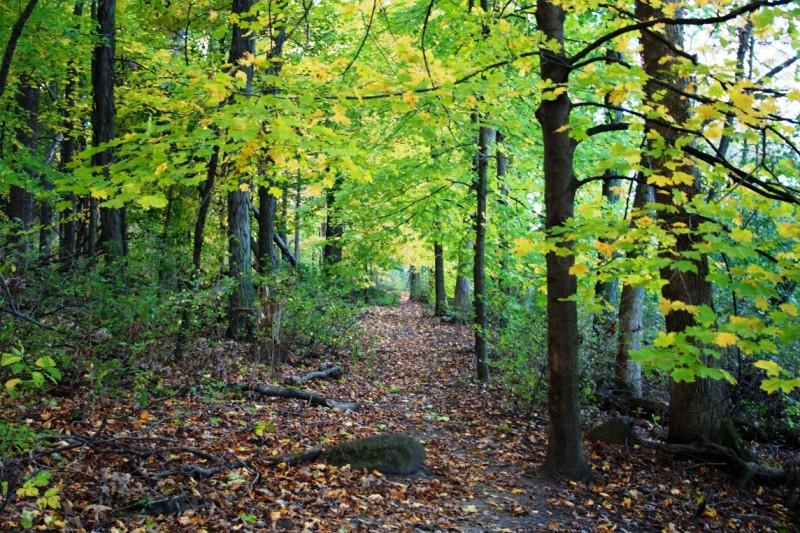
pixel 284 392
pixel 328 372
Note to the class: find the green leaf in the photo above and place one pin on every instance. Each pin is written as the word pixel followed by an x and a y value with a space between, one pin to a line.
pixel 157 201
pixel 772 368
pixel 10 359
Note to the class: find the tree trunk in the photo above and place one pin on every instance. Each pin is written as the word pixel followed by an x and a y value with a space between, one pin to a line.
pixel 628 373
pixel 21 202
pixel 11 46
pixel 697 409
pixel 67 244
pixel 241 308
pixel 564 441
pixel 463 292
pixel 607 291
pixel 297 200
pixel 111 224
pixel 485 138
pixel 439 279
pixel 266 258
pixel 332 251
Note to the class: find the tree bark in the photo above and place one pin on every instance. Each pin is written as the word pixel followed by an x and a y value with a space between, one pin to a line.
pixel 628 373
pixel 103 115
pixel 564 440
pixel 67 244
pixel 334 230
pixel 463 290
pixel 698 408
pixel 241 307
pixel 266 258
pixel 11 46
pixel 21 202
pixel 438 254
pixel 297 200
pixel 481 324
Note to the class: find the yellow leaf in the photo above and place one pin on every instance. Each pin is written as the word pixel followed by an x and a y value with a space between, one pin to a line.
pixel 241 76
pixel 706 111
pixel 471 101
pixel 522 246
pixel 659 181
pixel 794 95
pixel 742 235
pixel 339 115
pixel 276 192
pixel 604 248
pixel 772 368
pixel 410 98
pixel 212 15
pixel 724 339
pixel 762 303
pixel 161 168
pixel 578 270
pixel 789 309
pixel 145 415
pixel 679 178
pixel 11 384
pixel 244 187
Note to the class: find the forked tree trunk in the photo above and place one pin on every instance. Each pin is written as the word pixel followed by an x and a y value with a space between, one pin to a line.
pixel 697 409
pixel 564 440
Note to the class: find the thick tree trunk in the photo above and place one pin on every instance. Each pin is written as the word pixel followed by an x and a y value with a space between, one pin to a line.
pixel 697 409
pixel 628 373
pixel 241 311
pixel 11 46
pixel 111 223
pixel 564 440
pixel 438 275
pixel 21 202
pixel 241 307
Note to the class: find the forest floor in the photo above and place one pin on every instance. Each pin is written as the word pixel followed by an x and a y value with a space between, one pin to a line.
pixel 137 464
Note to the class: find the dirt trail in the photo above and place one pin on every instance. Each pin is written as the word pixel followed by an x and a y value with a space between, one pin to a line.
pixel 476 451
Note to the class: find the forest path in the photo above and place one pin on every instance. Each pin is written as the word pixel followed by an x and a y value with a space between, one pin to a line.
pixel 478 454
pixel 482 453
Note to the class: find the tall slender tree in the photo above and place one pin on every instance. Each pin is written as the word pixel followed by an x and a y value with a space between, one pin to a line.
pixel 111 237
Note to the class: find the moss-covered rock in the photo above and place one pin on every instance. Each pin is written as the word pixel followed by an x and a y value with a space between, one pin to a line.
pixel 392 453
pixel 615 431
